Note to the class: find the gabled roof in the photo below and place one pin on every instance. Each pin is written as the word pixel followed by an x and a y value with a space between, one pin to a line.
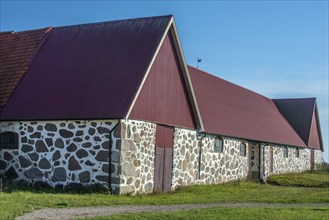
pixel 16 51
pixel 97 71
pixel 230 110
pixel 302 115
pixel 87 71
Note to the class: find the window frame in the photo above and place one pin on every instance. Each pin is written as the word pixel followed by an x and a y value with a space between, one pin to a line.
pixel 285 152
pixel 5 139
pixel 245 149
pixel 219 149
pixel 297 153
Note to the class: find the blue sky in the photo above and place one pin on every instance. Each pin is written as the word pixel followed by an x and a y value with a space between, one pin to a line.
pixel 276 48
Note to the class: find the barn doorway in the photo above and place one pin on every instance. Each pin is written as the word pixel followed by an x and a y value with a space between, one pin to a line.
pixel 254 160
pixel 164 141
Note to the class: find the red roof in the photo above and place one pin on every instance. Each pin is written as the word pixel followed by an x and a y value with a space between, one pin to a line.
pixel 16 51
pixel 87 71
pixel 230 110
pixel 96 71
pixel 303 117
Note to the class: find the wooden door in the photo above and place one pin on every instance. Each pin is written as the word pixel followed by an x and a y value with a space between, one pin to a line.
pixel 158 169
pixel 312 159
pixel 163 169
pixel 167 169
pixel 163 158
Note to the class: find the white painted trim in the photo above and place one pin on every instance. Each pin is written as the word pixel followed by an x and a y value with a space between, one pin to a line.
pixel 149 68
pixel 187 79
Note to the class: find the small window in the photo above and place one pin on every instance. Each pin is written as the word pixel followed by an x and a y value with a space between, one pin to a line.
pixel 8 140
pixel 243 149
pixel 285 153
pixel 218 148
pixel 297 152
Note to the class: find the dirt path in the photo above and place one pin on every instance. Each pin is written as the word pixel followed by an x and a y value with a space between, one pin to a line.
pixel 88 212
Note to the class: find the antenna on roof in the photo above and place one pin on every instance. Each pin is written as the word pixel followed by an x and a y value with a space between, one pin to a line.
pixel 198 61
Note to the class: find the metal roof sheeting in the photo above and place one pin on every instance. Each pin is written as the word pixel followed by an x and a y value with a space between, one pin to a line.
pixel 230 110
pixel 94 71
pixel 87 71
pixel 16 51
pixel 301 115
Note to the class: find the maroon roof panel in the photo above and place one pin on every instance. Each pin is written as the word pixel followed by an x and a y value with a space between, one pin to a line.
pixel 300 113
pixel 163 98
pixel 87 71
pixel 230 110
pixel 314 140
pixel 16 51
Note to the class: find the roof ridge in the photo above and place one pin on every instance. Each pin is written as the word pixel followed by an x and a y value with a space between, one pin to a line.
pixel 6 32
pixel 314 98
pixel 88 24
pixel 114 21
pixel 25 31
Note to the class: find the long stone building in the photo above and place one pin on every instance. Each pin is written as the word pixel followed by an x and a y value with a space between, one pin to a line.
pixel 115 103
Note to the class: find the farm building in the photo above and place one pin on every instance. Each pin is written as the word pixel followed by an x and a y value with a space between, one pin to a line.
pixel 115 103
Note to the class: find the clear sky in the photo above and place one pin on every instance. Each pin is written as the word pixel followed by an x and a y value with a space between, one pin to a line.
pixel 276 48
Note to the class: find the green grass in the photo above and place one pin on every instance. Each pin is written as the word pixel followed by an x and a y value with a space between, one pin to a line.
pixel 235 213
pixel 302 179
pixel 17 202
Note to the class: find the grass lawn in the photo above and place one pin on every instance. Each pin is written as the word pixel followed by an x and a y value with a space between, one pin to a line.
pixel 301 179
pixel 226 213
pixel 16 203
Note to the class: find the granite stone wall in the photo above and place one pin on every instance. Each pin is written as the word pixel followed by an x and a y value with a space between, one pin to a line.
pixel 214 168
pixel 137 147
pixel 59 152
pixel 70 152
pixel 281 164
pixel 226 166
pixel 318 157
pixel 185 158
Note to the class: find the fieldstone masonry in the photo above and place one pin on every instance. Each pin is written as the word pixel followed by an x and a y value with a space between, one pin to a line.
pixel 59 152
pixel 185 158
pixel 71 152
pixel 292 163
pixel 214 168
pixel 137 157
pixel 318 157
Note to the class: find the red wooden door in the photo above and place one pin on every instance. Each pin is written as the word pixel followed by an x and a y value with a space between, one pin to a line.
pixel 163 158
pixel 312 159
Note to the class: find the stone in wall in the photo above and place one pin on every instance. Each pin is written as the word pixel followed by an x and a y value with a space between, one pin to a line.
pixel 136 161
pixel 3 165
pixel 291 164
pixel 318 157
pixel 59 152
pixel 214 167
pixel 185 158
